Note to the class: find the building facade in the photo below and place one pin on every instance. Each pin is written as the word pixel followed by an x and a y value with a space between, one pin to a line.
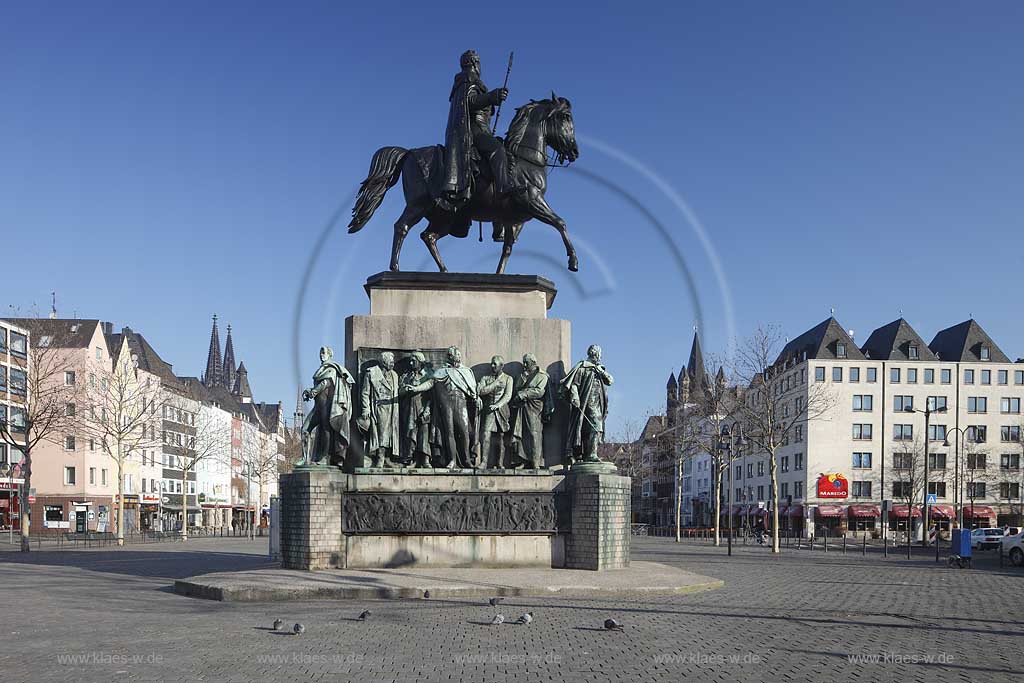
pixel 14 367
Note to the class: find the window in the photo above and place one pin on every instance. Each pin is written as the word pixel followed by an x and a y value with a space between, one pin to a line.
pixel 785 463
pixel 760 492
pixel 1008 489
pixel 3 340
pixel 19 344
pixel 903 432
pixel 750 470
pixel 929 376
pixel 837 374
pixel 901 489
pixel 861 489
pixel 986 377
pixel 739 471
pixel 798 489
pixel 1009 405
pixel 975 489
pixel 92 476
pixel 69 410
pixel 3 379
pixel 911 375
pixel 854 374
pixel 968 376
pixel 913 352
pixel 798 461
pixel 862 402
pixel 840 349
pixel 902 403
pixel 69 476
pixel 760 469
pixel 894 375
pixel 936 432
pixel 103 476
pixel 17 419
pixel 977 404
pixel 69 378
pixel 784 489
pixel 936 461
pixel 3 453
pixel 1018 376
pixel 69 443
pixel 92 444
pixel 937 488
pixel 976 461
pixel 799 433
pixel 985 354
pixel 862 432
pixel 1003 377
pixel 1009 461
pixel 872 374
pixel 1010 433
pixel 937 403
pixel 862 460
pixel 18 381
pixel 946 376
pixel 99 353
pixel 977 433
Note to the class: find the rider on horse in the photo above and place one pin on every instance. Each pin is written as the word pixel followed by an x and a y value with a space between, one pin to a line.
pixel 469 128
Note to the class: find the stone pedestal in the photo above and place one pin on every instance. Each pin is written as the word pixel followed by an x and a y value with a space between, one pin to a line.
pixel 599 537
pixel 311 519
pixel 484 315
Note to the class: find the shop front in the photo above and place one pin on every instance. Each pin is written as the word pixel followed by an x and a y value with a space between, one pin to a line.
pixel 10 504
pixel 830 520
pixel 978 516
pixel 149 511
pixel 864 519
pixel 943 516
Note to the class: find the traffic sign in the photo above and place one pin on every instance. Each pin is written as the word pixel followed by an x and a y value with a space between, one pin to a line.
pixel 931 499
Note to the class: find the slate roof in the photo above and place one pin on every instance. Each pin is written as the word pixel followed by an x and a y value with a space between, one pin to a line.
pixel 241 387
pixel 820 342
pixel 70 333
pixel 963 343
pixel 893 342
pixel 149 359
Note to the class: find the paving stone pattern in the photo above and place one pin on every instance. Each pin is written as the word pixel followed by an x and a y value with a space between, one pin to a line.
pixel 107 614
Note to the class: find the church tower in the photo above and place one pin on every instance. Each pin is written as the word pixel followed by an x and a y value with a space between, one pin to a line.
pixel 214 365
pixel 228 380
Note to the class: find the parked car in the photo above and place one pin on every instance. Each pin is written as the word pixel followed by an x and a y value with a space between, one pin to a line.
pixel 1011 531
pixel 982 539
pixel 1014 547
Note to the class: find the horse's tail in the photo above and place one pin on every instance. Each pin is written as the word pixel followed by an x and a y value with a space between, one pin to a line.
pixel 385 169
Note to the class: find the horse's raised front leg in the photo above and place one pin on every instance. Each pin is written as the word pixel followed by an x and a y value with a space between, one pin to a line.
pixel 410 217
pixel 542 212
pixel 430 239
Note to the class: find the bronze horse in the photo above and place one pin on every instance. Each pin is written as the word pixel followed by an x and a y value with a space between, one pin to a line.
pixel 536 126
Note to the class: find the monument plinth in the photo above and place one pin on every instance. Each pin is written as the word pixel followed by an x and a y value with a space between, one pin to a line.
pixel 459 436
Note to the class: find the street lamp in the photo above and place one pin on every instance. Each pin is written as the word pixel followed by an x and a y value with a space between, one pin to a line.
pixel 927 412
pixel 725 444
pixel 957 476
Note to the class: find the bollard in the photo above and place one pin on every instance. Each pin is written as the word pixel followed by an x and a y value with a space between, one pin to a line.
pixel 811 546
pixel 844 544
pixel 826 542
pixel 864 550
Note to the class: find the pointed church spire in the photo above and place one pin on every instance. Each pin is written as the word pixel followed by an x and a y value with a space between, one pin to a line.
pixel 214 367
pixel 229 362
pixel 241 390
pixel 695 367
pixel 300 415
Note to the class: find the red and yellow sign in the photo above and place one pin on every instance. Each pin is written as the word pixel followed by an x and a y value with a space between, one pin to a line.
pixel 833 486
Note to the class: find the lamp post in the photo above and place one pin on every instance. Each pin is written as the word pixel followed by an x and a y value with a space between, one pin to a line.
pixel 927 412
pixel 957 474
pixel 723 447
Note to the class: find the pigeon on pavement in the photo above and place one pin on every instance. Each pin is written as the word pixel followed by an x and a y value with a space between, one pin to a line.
pixel 493 602
pixel 498 620
pixel 426 594
pixel 525 619
pixel 362 615
pixel 298 629
pixel 612 625
pixel 278 624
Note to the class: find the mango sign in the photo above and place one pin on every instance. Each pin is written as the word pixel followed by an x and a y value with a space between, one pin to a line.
pixel 833 486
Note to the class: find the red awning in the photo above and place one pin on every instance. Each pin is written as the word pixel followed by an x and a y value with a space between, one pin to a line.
pixel 939 511
pixel 865 511
pixel 831 510
pixel 901 511
pixel 758 512
pixel 979 511
pixel 796 511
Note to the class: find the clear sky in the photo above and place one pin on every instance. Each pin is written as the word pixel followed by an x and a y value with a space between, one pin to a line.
pixel 162 162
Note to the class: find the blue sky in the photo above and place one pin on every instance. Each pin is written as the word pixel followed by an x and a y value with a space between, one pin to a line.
pixel 162 162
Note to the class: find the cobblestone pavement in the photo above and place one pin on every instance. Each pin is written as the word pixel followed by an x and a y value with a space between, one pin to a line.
pixel 107 614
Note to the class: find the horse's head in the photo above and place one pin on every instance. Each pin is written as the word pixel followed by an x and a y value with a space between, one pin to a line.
pixel 561 133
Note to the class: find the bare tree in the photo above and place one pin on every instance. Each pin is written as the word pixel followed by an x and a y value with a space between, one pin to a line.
pixel 714 411
pixel 684 436
pixel 47 390
pixel 261 461
pixel 626 452
pixel 210 444
pixel 777 402
pixel 908 476
pixel 119 412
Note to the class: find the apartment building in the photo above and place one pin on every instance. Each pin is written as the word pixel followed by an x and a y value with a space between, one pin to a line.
pixel 14 366
pixel 836 470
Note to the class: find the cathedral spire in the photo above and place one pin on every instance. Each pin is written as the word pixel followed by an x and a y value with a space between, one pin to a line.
pixel 241 390
pixel 228 380
pixel 214 366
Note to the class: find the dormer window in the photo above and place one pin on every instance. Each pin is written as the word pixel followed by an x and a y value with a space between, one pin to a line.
pixel 985 353
pixel 912 352
pixel 840 349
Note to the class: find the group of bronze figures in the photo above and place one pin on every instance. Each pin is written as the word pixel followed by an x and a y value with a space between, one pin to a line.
pixel 445 418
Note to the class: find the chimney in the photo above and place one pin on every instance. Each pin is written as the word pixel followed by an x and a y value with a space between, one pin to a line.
pixel 108 328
